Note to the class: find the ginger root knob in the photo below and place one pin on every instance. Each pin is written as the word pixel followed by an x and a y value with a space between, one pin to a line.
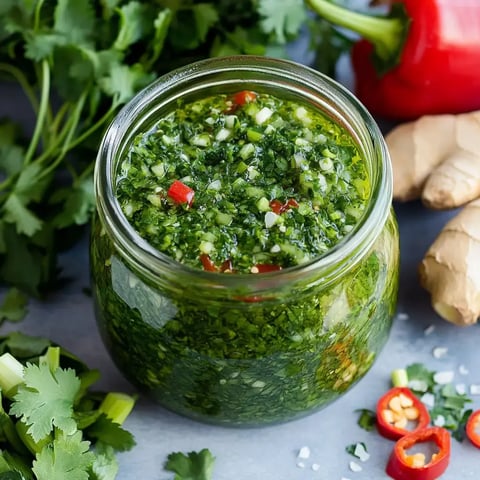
pixel 437 158
pixel 450 270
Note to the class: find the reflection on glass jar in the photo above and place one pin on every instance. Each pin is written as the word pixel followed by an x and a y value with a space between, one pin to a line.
pixel 245 349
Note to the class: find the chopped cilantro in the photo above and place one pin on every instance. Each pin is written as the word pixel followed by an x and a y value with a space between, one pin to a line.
pixel 192 466
pixel 367 419
pixel 448 404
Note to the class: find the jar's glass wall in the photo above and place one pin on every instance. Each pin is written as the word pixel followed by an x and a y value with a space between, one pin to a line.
pixel 246 362
pixel 246 351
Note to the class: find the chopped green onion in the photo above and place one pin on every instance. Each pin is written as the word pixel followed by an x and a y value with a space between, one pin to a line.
pixel 11 374
pixel 399 378
pixel 117 406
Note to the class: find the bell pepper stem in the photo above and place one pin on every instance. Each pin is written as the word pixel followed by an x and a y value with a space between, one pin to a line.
pixel 387 34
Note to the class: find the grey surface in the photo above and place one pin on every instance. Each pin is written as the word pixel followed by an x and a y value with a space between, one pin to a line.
pixel 270 453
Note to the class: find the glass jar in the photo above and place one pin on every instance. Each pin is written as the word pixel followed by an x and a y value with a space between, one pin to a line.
pixel 244 349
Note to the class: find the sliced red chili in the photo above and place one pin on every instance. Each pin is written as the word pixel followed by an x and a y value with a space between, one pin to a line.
pixel 400 412
pixel 243 97
pixel 180 193
pixel 207 263
pixel 265 268
pixel 226 266
pixel 473 428
pixel 403 465
pixel 278 207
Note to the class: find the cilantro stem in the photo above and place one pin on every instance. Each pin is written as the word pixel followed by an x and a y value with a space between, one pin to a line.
pixel 22 80
pixel 70 130
pixel 38 8
pixel 42 112
pixel 101 122
pixel 11 374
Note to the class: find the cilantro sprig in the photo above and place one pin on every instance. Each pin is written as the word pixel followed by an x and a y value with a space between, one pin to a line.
pixel 52 425
pixel 191 466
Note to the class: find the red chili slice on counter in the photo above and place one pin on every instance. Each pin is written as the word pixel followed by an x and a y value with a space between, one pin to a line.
pixel 408 462
pixel 473 428
pixel 180 193
pixel 400 412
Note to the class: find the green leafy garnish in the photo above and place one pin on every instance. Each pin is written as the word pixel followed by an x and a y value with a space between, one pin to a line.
pixel 449 408
pixel 192 466
pixel 13 308
pixel 367 419
pixel 52 426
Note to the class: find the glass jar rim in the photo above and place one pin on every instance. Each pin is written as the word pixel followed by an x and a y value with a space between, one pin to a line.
pixel 153 263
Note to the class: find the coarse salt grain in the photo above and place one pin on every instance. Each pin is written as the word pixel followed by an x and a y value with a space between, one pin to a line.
pixel 429 330
pixel 461 388
pixel 315 467
pixel 439 352
pixel 443 378
pixel 463 370
pixel 355 467
pixel 300 465
pixel 428 399
pixel 474 389
pixel 403 316
pixel 304 453
pixel 361 452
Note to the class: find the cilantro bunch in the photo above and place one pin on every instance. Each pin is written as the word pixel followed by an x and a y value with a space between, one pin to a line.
pixel 52 426
pixel 78 62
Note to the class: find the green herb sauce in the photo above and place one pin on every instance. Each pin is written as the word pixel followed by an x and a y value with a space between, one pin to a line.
pixel 226 360
pixel 238 159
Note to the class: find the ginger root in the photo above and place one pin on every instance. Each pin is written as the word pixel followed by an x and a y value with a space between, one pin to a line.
pixel 437 158
pixel 450 270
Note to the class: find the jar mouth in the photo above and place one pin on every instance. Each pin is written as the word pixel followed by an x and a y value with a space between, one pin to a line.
pixel 230 74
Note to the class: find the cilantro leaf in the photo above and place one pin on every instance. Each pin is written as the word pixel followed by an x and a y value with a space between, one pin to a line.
pixel 206 16
pixel 46 400
pixel 284 22
pixel 17 213
pixel 105 465
pixel 13 308
pixel 367 419
pixel 75 19
pixel 78 204
pixel 123 81
pixel 68 453
pixel 135 23
pixel 110 433
pixel 23 346
pixel 193 466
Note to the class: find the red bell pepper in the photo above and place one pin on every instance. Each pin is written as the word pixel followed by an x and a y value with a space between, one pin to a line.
pixel 180 193
pixel 400 412
pixel 473 428
pixel 421 59
pixel 403 465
